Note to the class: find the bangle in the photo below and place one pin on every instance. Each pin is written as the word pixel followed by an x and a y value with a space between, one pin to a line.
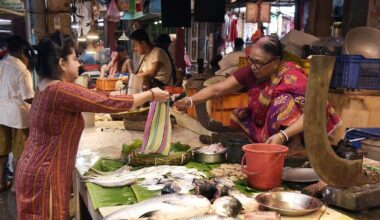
pixel 284 133
pixel 191 102
pixel 152 94
pixel 282 137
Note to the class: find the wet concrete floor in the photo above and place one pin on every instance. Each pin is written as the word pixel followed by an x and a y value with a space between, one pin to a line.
pixel 8 209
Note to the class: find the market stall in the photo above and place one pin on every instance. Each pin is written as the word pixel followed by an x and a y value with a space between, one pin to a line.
pixel 105 141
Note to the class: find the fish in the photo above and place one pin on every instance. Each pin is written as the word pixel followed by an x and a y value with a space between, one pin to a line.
pixel 210 217
pixel 262 215
pixel 178 186
pixel 112 182
pixel 124 176
pixel 226 206
pixel 169 206
pixel 99 174
pixel 120 171
pixel 205 189
pixel 249 204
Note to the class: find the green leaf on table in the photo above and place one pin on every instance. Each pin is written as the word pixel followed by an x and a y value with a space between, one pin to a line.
pixel 103 165
pixel 141 193
pixel 179 147
pixel 103 196
pixel 203 167
pixel 242 186
pixel 372 168
pixel 128 148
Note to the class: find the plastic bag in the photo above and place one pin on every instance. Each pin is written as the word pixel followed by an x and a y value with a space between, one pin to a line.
pixel 113 12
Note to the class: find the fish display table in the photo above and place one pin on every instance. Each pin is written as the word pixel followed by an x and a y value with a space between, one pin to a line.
pixel 105 140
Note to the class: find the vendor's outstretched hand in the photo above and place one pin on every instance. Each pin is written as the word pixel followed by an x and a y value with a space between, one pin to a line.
pixel 275 139
pixel 182 104
pixel 160 95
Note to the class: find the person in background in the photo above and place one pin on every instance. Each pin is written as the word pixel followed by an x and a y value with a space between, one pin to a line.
pixel 16 94
pixel 44 172
pixel 163 41
pixel 3 53
pixel 276 91
pixel 230 62
pixel 155 67
pixel 214 62
pixel 85 58
pixel 120 63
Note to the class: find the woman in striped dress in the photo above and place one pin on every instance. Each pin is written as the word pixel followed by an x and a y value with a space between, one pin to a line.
pixel 44 173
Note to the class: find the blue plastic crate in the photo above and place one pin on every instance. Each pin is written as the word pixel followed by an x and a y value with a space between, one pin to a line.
pixel 367 133
pixel 356 72
pixel 356 135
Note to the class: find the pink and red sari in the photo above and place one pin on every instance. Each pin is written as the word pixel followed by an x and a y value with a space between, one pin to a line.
pixel 276 103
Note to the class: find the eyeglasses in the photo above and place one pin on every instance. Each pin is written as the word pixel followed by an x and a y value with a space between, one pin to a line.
pixel 258 64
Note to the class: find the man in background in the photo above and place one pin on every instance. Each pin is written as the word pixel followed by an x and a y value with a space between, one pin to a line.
pixel 16 94
pixel 230 62
pixel 85 58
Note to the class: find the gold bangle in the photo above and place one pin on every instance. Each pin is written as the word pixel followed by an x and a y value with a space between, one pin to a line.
pixel 282 137
pixel 285 135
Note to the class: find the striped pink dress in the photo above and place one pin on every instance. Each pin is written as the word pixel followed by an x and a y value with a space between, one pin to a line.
pixel 44 171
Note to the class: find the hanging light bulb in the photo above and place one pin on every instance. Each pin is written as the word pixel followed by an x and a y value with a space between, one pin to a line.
pixel 91 48
pixel 81 37
pixel 123 37
pixel 92 33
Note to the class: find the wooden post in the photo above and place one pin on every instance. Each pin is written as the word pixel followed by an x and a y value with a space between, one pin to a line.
pixel 180 48
pixel 355 14
pixel 38 19
pixel 319 20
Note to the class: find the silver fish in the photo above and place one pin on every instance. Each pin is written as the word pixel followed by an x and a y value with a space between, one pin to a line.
pixel 126 177
pixel 249 203
pixel 112 182
pixel 226 206
pixel 169 206
pixel 210 217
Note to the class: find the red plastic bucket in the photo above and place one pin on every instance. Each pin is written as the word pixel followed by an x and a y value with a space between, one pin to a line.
pixel 263 164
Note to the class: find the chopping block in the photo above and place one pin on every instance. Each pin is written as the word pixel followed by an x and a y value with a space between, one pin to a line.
pixel 354 198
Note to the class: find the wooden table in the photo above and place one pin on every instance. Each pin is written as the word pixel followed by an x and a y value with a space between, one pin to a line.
pixel 105 140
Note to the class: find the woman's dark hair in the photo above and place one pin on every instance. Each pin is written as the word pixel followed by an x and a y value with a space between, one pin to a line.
pixel 121 60
pixel 271 45
pixel 50 50
pixel 140 35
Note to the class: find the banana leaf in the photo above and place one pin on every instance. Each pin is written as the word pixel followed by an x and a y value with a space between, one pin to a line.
pixel 242 186
pixel 142 193
pixel 101 196
pixel 127 195
pixel 205 168
pixel 372 168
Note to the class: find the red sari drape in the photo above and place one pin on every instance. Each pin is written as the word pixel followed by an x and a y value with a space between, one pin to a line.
pixel 276 103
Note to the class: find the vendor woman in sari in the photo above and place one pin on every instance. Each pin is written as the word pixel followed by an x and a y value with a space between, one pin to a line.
pixel 44 171
pixel 276 91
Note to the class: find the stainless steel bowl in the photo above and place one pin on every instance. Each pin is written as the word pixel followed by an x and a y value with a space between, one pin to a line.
pixel 209 158
pixel 363 41
pixel 299 175
pixel 288 203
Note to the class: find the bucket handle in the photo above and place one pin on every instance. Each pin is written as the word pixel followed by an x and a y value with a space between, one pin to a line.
pixel 269 164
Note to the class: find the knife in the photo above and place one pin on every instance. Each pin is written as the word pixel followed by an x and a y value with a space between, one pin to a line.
pixel 182 95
